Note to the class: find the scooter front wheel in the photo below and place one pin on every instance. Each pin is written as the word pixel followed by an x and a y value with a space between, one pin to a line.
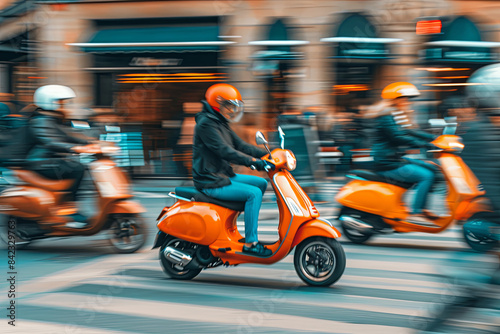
pixel 477 233
pixel 319 261
pixel 173 270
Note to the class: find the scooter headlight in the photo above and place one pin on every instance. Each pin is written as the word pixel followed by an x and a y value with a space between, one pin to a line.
pixel 291 162
pixel 457 147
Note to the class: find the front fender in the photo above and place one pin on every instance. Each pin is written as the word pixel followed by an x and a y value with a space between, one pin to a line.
pixel 126 207
pixel 467 209
pixel 315 228
pixel 160 239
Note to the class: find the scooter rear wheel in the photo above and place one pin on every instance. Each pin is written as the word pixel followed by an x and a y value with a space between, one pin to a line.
pixel 127 234
pixel 8 230
pixel 172 270
pixel 319 261
pixel 354 235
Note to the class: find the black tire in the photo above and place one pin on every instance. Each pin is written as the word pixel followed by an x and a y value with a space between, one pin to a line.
pixel 20 242
pixel 478 242
pixel 354 235
pixel 127 234
pixel 172 270
pixel 328 257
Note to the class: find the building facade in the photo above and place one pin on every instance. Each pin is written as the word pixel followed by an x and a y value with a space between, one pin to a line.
pixel 149 62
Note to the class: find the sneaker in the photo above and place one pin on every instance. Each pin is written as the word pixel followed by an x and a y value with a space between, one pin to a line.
pixel 433 216
pixel 257 249
pixel 77 221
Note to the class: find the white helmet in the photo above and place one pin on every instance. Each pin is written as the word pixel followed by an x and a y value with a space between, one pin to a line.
pixel 46 97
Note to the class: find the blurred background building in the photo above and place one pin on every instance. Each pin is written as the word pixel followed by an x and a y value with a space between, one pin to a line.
pixel 150 62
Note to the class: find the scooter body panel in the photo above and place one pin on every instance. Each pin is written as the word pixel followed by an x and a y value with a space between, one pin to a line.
pixel 110 180
pixel 381 199
pixel 195 222
pixel 126 207
pixel 27 202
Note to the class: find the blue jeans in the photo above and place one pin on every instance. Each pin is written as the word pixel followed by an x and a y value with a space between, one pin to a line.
pixel 413 173
pixel 244 188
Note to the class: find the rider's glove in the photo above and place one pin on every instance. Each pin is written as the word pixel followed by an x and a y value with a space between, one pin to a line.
pixel 259 164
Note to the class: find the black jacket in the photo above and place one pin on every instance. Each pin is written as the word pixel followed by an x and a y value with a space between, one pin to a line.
pixel 482 154
pixel 388 140
pixel 49 136
pixel 215 147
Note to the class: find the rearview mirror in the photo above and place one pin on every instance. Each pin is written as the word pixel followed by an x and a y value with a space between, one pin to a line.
pixel 282 136
pixel 80 125
pixel 260 139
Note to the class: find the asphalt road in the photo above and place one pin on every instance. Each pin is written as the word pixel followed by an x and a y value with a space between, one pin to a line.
pixel 391 285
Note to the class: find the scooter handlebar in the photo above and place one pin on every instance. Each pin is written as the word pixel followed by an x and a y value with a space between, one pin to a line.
pixel 269 166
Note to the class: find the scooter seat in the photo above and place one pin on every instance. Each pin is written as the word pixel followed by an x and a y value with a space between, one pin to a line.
pixel 193 194
pixel 372 176
pixel 41 182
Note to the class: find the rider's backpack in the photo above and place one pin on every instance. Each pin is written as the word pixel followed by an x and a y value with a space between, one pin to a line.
pixel 14 137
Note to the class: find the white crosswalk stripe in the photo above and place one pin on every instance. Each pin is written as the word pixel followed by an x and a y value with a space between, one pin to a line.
pixel 385 288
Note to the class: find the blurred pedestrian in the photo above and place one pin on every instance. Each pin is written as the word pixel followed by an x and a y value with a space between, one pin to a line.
pixel 482 139
pixel 7 104
pixel 459 107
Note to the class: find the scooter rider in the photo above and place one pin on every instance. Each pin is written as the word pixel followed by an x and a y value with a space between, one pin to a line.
pixel 50 139
pixel 393 130
pixel 215 147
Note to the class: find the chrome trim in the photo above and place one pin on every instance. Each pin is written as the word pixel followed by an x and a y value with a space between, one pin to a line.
pixel 330 224
pixel 355 223
pixel 355 177
pixel 177 257
pixel 173 195
pixel 325 221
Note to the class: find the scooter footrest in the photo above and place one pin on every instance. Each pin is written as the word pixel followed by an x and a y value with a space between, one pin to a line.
pixel 267 243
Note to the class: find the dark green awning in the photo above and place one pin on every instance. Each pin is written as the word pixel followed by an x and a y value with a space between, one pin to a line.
pixel 461 41
pixel 357 38
pixel 9 53
pixel 277 55
pixel 159 39
pixel 277 44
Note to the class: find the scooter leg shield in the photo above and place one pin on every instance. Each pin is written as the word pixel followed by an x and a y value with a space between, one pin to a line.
pixel 126 207
pixel 315 228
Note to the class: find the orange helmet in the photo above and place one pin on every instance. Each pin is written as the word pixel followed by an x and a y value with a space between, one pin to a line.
pixel 225 91
pixel 399 89
pixel 227 100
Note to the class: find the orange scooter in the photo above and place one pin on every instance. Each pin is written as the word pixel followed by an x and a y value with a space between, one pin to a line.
pixel 372 204
pixel 34 208
pixel 200 232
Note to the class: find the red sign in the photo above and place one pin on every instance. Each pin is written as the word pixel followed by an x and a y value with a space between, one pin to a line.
pixel 429 27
